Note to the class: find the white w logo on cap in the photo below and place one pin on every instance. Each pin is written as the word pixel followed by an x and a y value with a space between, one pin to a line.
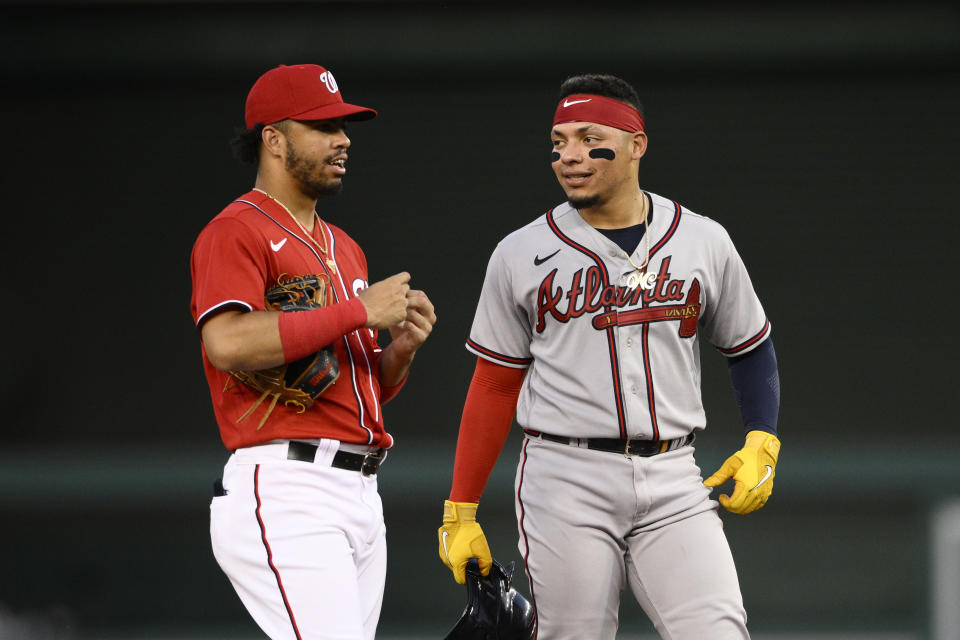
pixel 327 78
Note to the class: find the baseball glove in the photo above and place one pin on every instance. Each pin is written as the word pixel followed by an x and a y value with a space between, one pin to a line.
pixel 299 383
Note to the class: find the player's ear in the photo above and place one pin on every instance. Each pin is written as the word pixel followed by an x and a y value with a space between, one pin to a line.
pixel 273 141
pixel 638 145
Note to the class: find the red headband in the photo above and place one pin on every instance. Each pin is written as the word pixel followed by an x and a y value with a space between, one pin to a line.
pixel 587 107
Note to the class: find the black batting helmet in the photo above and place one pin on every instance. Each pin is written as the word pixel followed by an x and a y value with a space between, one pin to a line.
pixel 494 611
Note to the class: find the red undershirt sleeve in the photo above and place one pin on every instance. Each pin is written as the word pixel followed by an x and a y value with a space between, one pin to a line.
pixel 487 416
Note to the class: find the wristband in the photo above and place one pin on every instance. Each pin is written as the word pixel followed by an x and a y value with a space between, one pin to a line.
pixel 303 333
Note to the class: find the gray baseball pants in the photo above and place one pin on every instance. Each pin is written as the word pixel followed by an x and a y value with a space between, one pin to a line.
pixel 591 522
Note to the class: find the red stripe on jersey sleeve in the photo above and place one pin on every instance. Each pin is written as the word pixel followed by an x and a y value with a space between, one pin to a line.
pixel 494 355
pixel 746 344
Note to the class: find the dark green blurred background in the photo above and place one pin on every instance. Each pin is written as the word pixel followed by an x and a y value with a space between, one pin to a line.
pixel 824 137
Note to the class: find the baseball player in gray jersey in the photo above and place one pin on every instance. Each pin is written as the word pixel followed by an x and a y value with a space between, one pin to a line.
pixel 588 328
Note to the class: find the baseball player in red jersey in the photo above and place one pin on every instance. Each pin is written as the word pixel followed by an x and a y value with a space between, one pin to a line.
pixel 588 328
pixel 297 522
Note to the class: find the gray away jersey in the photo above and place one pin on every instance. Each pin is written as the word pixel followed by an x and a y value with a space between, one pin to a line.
pixel 606 360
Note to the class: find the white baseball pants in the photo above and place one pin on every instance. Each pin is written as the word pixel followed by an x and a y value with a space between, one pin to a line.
pixel 304 544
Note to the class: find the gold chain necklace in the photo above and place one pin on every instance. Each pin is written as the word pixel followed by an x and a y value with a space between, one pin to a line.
pixel 323 247
pixel 638 277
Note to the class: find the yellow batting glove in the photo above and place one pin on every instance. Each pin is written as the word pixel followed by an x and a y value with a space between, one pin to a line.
pixel 752 469
pixel 461 538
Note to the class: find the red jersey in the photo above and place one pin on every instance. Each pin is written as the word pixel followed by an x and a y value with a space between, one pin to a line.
pixel 240 255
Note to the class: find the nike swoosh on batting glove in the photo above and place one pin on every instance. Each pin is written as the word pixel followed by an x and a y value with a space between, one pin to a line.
pixel 461 538
pixel 752 469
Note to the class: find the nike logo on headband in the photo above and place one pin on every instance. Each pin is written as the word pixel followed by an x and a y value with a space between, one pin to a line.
pixel 568 103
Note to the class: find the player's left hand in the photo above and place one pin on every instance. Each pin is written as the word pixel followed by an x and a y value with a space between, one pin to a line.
pixel 752 469
pixel 410 334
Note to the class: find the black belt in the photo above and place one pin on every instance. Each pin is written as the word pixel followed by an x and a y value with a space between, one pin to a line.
pixel 643 448
pixel 367 464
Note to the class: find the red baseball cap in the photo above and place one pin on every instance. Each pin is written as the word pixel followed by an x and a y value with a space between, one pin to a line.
pixel 299 92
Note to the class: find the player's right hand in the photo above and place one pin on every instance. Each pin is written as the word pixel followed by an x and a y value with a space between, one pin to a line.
pixel 461 538
pixel 386 301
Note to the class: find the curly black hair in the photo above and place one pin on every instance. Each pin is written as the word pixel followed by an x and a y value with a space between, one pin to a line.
pixel 602 85
pixel 245 144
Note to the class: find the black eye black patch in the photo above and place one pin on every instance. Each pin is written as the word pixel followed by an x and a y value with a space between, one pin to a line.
pixel 605 154
pixel 554 156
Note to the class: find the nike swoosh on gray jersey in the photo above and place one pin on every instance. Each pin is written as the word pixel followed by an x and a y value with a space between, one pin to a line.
pixel 537 260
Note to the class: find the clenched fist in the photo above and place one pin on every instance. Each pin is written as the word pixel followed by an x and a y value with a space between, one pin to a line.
pixel 386 301
pixel 417 326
